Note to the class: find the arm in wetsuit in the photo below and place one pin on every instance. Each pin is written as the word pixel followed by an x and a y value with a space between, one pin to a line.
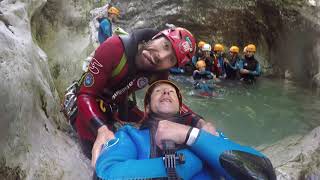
pixel 257 71
pixel 126 157
pixel 231 160
pixel 106 58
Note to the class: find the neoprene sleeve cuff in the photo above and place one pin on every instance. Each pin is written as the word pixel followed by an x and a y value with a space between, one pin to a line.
pixel 195 119
pixel 95 124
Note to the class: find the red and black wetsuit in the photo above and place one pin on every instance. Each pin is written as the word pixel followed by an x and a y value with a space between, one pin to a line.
pixel 102 82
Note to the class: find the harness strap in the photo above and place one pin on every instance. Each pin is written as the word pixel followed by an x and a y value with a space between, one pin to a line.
pixel 120 66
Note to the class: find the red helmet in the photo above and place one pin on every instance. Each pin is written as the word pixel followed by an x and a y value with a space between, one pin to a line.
pixel 182 42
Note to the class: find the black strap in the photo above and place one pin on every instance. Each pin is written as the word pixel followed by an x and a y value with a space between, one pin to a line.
pixel 170 159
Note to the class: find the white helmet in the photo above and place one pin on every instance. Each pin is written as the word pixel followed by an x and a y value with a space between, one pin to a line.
pixel 206 47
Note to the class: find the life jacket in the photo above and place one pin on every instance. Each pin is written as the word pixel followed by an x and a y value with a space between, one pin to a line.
pixel 209 63
pixel 205 75
pixel 217 67
pixel 250 63
pixel 233 72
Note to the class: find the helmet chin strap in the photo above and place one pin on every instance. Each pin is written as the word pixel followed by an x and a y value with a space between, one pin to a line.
pixel 159 117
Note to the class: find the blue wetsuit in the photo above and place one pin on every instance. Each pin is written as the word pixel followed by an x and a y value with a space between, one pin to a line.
pixel 176 70
pixel 203 82
pixel 105 30
pixel 128 157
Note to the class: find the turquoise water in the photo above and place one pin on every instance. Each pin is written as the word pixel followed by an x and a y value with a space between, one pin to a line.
pixel 256 114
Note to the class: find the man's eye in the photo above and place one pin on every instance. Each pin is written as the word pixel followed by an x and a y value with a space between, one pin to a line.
pixel 173 59
pixel 166 46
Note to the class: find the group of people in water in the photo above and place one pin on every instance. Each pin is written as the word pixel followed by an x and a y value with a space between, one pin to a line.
pixel 210 65
pixel 168 140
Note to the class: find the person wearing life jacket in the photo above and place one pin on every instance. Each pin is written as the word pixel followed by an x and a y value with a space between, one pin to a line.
pixel 163 147
pixel 232 65
pixel 191 65
pixel 204 80
pixel 198 54
pixel 218 61
pixel 201 72
pixel 206 50
pixel 122 65
pixel 250 67
pixel 105 24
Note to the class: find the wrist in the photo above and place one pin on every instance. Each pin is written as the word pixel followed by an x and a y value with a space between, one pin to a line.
pixel 96 124
pixel 194 133
pixel 103 128
pixel 105 134
pixel 188 135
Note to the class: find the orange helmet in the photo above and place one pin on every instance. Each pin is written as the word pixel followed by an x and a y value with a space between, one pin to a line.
pixel 200 44
pixel 200 64
pixel 251 47
pixel 218 47
pixel 234 49
pixel 113 10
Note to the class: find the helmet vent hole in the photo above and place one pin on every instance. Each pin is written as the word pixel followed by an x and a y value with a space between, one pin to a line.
pixel 180 34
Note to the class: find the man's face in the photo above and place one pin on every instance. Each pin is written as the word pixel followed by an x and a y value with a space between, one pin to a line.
pixel 250 53
pixel 206 54
pixel 113 17
pixel 202 69
pixel 156 55
pixel 164 100
pixel 232 54
pixel 219 53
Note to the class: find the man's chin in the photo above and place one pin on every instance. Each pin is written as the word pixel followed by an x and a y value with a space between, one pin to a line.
pixel 167 113
pixel 148 68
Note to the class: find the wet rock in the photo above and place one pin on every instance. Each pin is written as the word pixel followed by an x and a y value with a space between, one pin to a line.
pixel 284 31
pixel 33 139
pixel 296 157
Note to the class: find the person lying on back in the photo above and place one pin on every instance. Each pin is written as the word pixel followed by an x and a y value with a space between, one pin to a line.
pixel 165 148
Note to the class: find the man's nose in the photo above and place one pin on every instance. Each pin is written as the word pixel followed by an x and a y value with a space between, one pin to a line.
pixel 166 91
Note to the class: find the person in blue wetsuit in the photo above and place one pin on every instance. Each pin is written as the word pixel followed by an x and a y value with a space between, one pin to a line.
pixel 232 65
pixel 250 67
pixel 105 24
pixel 164 148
